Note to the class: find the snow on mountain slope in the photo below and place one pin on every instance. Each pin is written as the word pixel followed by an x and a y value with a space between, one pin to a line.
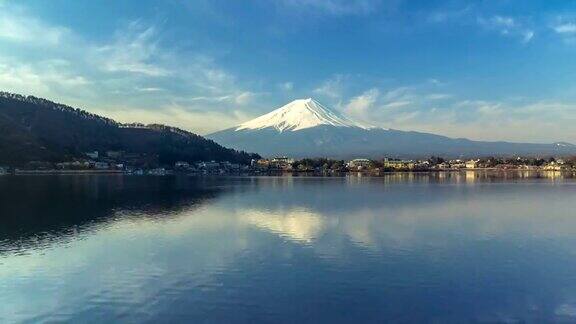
pixel 297 115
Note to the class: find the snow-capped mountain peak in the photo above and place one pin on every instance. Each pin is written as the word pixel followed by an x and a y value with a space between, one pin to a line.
pixel 297 115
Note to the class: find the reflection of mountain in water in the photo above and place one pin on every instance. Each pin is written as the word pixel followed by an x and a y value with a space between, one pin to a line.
pixel 288 245
pixel 296 224
pixel 40 207
pixel 393 211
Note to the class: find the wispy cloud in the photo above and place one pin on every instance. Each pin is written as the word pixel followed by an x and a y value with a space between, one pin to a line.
pixel 397 104
pixel 134 50
pixel 179 115
pixel 334 7
pixel 358 106
pixel 331 88
pixel 373 103
pixel 412 108
pixel 17 27
pixel 438 96
pixel 150 89
pixel 566 28
pixel 134 69
pixel 286 86
pixel 507 26
pixel 48 78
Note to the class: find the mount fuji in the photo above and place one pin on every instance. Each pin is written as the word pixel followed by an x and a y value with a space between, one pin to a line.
pixel 306 128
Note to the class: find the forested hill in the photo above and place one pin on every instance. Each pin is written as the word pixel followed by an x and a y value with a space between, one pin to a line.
pixel 36 129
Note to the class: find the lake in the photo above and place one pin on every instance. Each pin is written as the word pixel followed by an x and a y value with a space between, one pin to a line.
pixel 406 247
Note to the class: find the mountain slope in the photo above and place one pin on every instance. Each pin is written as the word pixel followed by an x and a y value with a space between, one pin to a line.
pixel 280 133
pixel 34 129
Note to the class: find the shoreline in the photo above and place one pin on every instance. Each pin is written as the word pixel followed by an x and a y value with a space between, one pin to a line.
pixel 65 172
pixel 288 173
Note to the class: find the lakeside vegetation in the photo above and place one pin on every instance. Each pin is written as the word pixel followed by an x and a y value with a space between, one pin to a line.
pixel 431 164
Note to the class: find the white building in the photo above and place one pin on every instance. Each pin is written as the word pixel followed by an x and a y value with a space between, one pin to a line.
pixel 101 166
pixel 358 164
pixel 208 165
pixel 400 164
pixel 182 165
pixel 472 164
pixel 92 155
pixel 282 160
pixel 457 164
pixel 555 166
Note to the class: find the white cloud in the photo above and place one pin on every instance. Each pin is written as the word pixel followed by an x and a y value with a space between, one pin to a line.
pixel 372 103
pixel 244 98
pixel 527 36
pixel 211 99
pixel 415 108
pixel 396 104
pixel 436 82
pixel 334 7
pixel 445 15
pixel 287 86
pixel 567 28
pixel 331 88
pixel 42 78
pixel 359 105
pixel 133 69
pixel 149 89
pixel 438 96
pixel 400 93
pixel 507 26
pixel 181 116
pixel 484 120
pixel 18 27
pixel 134 50
pixel 567 32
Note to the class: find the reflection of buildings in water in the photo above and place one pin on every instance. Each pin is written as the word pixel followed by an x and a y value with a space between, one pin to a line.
pixel 470 176
pixel 442 175
pixel 553 174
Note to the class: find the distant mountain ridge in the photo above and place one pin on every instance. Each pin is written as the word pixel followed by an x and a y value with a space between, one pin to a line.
pixel 306 128
pixel 36 129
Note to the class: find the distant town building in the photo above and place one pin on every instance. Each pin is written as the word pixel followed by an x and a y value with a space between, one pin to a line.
pixel 281 163
pixel 359 164
pixel 443 166
pixel 101 166
pixel 457 164
pixel 555 166
pixel 75 165
pixel 157 171
pixel 472 164
pixel 399 164
pixel 283 159
pixel 115 154
pixel 262 164
pixel 181 165
pixel 92 155
pixel 207 166
pixel 230 166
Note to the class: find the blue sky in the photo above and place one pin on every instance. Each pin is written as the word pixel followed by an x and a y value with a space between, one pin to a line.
pixel 491 70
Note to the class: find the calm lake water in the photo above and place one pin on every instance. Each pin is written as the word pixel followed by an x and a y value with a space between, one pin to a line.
pixel 402 248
